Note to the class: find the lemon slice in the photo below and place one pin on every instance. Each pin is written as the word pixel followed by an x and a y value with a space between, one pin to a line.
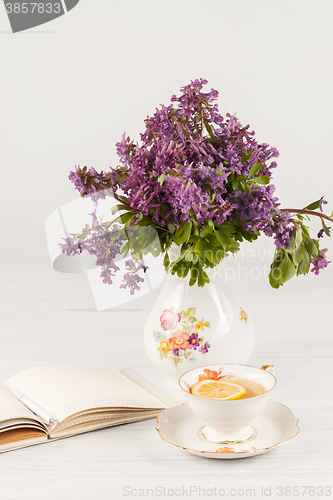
pixel 218 389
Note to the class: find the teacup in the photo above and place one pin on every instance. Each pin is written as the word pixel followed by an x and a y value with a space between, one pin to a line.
pixel 229 420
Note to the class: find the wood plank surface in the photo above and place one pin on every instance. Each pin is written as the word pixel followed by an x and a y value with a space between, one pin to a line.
pixel 50 318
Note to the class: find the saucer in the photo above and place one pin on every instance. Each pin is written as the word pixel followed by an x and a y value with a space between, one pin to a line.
pixel 179 427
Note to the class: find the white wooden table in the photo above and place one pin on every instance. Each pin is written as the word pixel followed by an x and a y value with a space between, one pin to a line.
pixel 49 318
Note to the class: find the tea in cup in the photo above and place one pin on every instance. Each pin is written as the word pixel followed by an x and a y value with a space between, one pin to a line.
pixel 227 398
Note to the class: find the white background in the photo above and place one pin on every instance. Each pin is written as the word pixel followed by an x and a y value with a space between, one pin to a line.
pixel 68 91
pixel 70 88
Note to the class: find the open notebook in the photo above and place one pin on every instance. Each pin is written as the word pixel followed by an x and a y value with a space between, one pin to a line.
pixel 71 400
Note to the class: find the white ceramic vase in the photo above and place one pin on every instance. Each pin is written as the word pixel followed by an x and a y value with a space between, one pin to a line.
pixel 190 327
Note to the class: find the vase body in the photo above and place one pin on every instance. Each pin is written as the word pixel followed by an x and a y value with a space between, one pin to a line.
pixel 189 327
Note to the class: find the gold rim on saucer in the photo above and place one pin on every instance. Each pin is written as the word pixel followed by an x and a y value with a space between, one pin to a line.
pixel 225 451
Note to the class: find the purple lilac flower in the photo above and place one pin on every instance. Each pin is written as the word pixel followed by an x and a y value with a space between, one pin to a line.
pixel 204 348
pixel 105 244
pixel 321 232
pixel 191 164
pixel 194 168
pixel 175 351
pixel 131 279
pixel 84 180
pixel 194 341
pixel 324 202
pixel 319 263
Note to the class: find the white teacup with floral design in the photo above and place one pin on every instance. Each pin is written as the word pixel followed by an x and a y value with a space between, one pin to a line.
pixel 228 420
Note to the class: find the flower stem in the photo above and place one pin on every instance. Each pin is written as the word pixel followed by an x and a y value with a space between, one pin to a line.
pixel 307 212
pixel 202 121
pixel 101 187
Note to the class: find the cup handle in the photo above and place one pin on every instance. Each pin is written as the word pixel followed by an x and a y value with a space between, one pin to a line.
pixel 269 369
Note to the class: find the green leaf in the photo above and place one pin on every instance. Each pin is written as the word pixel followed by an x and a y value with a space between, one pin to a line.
pixel 254 169
pixel 313 246
pixel 298 254
pixel 199 248
pixel 246 235
pixel 325 228
pixel 296 238
pixel 126 248
pixel 161 179
pixel 182 269
pixel 209 130
pixel 127 217
pixel 195 259
pixel 203 278
pixel 236 185
pixel 219 171
pixel 246 156
pixel 304 265
pixel 192 320
pixel 226 227
pixel 314 205
pixel 228 243
pixel 183 233
pixel 117 208
pixel 276 274
pixel 166 261
pixel 194 274
pixel 213 240
pixel 171 227
pixel 275 283
pixel 182 314
pixel 124 199
pixel 261 180
pixel 288 269
pixel 208 226
pixel 191 311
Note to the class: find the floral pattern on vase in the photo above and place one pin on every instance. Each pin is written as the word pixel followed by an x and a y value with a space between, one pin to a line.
pixel 188 326
pixel 186 335
pixel 243 316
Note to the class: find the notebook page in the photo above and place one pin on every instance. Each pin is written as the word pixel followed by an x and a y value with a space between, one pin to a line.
pixel 100 416
pixel 70 431
pixel 65 390
pixel 11 408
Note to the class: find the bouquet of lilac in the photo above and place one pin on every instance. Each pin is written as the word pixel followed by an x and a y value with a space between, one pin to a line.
pixel 202 182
